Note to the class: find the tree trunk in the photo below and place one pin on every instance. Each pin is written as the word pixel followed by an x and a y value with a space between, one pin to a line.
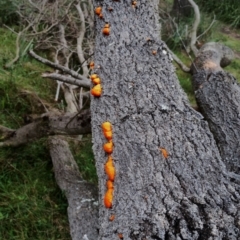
pixel 170 180
pixel 218 96
pixel 81 196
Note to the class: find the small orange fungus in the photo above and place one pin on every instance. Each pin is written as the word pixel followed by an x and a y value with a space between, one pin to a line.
pixel 164 152
pixel 110 184
pixel 154 52
pixel 106 29
pixel 134 3
pixel 98 10
pixel 107 126
pixel 107 130
pixel 91 65
pixel 108 147
pixel 96 80
pixel 108 135
pixel 112 217
pixel 108 198
pixel 110 169
pixel 101 15
pixel 93 76
pixel 120 235
pixel 96 90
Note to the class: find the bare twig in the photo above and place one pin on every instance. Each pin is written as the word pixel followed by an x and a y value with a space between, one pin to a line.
pixel 209 27
pixel 179 62
pixel 195 27
pixel 80 40
pixel 58 66
pixel 67 79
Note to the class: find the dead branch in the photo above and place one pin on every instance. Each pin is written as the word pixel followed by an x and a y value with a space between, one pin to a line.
pixel 209 27
pixel 46 125
pixel 81 34
pixel 67 79
pixel 179 62
pixel 57 66
pixel 195 27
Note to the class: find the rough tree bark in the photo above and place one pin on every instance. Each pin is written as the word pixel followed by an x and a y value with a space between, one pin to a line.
pixel 218 96
pixel 170 180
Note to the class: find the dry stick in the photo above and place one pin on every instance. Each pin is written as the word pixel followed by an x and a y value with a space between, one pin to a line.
pixel 67 79
pixel 183 44
pixel 80 40
pixel 57 66
pixel 195 27
pixel 179 62
pixel 213 21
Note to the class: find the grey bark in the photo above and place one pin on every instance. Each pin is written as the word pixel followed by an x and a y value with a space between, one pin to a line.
pixel 187 195
pixel 218 96
pixel 46 125
pixel 82 196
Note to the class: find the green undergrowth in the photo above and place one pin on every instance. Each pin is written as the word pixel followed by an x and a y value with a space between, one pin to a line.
pixel 31 204
pixel 83 154
pixel 32 207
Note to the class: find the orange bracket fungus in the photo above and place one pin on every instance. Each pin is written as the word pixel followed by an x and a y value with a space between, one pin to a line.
pixel 154 52
pixel 106 29
pixel 108 147
pixel 110 169
pixel 96 90
pixel 134 3
pixel 91 65
pixel 120 235
pixel 93 76
pixel 112 217
pixel 109 184
pixel 107 130
pixel 108 198
pixel 96 80
pixel 98 10
pixel 107 126
pixel 108 135
pixel 164 152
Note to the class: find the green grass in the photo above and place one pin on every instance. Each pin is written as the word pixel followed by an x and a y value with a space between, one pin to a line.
pixel 83 154
pixel 32 207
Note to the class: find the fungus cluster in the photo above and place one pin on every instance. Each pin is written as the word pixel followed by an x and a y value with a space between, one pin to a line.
pixel 98 11
pixel 106 28
pixel 97 89
pixel 109 166
pixel 91 65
